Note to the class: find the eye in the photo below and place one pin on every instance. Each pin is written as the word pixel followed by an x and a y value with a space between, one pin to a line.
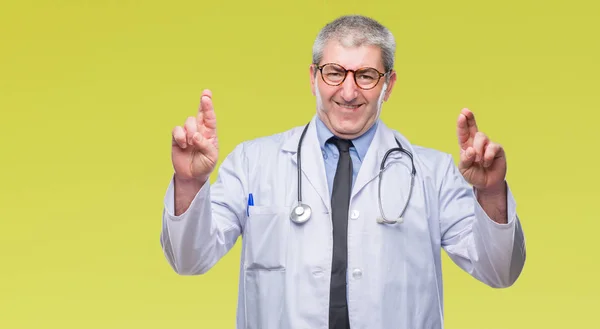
pixel 366 77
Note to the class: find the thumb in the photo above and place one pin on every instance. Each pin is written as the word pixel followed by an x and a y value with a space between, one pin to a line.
pixel 204 146
pixel 466 158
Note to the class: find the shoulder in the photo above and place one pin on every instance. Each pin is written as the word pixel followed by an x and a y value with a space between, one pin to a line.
pixel 431 158
pixel 267 146
pixel 430 163
pixel 272 141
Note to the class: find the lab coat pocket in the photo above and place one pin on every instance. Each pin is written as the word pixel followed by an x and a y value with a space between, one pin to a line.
pixel 266 235
pixel 264 291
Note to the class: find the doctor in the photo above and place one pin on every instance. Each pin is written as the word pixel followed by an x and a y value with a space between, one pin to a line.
pixel 329 240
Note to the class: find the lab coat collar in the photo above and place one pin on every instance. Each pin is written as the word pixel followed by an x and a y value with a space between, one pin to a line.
pixel 360 143
pixel 384 140
pixel 313 165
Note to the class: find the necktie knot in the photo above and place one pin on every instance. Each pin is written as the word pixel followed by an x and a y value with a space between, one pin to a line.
pixel 343 145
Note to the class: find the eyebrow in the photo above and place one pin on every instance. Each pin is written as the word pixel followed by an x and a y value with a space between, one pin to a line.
pixel 358 67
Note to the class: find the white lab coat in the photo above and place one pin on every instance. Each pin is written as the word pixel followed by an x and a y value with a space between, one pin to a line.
pixel 394 271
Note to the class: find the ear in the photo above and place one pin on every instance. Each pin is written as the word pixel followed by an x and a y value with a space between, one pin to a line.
pixel 390 85
pixel 312 70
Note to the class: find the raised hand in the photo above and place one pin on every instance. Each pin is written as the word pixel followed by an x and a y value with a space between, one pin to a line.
pixel 482 162
pixel 195 148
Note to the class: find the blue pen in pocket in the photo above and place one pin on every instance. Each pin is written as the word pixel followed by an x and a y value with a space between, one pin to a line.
pixel 250 203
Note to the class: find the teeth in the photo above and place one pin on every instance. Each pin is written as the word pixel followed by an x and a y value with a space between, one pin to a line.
pixel 349 106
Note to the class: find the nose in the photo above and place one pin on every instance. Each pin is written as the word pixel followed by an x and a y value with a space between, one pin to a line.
pixel 349 88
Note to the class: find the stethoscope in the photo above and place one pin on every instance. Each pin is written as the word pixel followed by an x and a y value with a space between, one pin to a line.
pixel 302 212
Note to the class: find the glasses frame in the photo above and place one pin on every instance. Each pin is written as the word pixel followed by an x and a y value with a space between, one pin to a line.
pixel 320 68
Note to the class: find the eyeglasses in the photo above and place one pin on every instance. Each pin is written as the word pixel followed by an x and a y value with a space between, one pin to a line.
pixel 334 75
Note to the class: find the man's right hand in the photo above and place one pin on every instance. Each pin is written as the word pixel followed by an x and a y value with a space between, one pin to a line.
pixel 195 148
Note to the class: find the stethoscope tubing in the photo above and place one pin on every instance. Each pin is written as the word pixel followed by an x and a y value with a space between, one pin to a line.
pixel 302 212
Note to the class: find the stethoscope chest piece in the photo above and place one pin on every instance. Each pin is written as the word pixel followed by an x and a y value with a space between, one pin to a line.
pixel 301 214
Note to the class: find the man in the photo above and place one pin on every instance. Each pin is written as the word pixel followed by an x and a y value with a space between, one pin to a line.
pixel 349 264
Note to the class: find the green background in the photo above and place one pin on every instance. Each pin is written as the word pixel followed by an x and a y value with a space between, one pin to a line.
pixel 90 91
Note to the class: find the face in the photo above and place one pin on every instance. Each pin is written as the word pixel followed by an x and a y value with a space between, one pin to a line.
pixel 347 110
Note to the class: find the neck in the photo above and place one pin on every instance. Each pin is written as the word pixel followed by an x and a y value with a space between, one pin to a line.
pixel 368 125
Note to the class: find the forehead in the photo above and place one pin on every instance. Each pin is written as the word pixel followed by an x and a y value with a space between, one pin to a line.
pixel 352 57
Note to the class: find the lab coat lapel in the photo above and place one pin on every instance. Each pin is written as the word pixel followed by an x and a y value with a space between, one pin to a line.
pixel 313 166
pixel 383 140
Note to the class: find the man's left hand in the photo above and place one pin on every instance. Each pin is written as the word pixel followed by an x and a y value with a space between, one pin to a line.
pixel 482 162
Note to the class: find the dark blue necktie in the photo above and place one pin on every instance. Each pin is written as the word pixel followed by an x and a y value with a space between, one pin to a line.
pixel 340 202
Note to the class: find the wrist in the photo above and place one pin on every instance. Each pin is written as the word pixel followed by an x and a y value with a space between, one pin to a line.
pixel 185 191
pixel 492 191
pixel 193 182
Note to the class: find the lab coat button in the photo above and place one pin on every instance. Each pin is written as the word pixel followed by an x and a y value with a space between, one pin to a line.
pixel 355 214
pixel 317 272
pixel 357 273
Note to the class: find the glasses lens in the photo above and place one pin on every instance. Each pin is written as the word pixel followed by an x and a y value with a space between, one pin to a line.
pixel 333 74
pixel 366 78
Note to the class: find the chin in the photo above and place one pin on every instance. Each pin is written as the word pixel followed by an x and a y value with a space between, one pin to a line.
pixel 347 123
pixel 348 127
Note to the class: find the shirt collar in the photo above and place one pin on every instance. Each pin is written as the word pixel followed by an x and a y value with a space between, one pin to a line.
pixel 361 143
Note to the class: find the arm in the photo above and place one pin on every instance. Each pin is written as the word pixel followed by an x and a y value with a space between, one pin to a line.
pixel 201 223
pixel 197 234
pixel 492 252
pixel 185 192
pixel 494 203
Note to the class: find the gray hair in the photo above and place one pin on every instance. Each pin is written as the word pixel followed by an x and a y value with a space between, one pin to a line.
pixel 356 31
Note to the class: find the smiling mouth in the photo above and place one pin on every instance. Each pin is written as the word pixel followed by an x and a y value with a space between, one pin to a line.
pixel 348 106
